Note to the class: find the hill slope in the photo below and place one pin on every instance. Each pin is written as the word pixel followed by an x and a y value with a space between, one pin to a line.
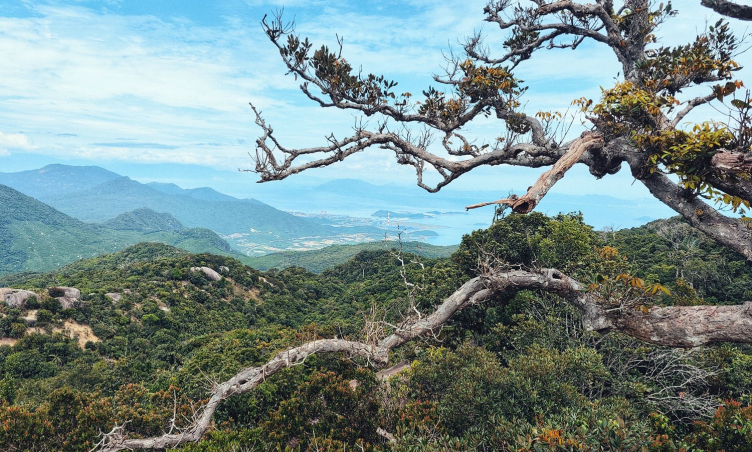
pixel 144 220
pixel 36 237
pixel 319 260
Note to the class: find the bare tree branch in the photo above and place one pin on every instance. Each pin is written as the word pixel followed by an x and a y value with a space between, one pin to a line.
pixel 691 104
pixel 406 152
pixel 525 204
pixel 729 9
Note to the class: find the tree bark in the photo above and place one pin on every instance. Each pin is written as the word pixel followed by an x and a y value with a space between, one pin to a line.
pixel 526 203
pixel 690 326
pixel 732 162
pixel 729 9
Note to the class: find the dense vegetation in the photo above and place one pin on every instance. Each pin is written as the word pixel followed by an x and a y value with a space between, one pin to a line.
pixel 521 374
pixel 319 260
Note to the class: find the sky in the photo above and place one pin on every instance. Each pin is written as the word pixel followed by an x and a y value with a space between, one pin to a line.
pixel 139 82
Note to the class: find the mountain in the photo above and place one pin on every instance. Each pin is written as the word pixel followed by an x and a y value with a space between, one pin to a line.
pixel 144 220
pixel 147 221
pixel 317 261
pixel 57 180
pixel 121 195
pixel 37 237
pixel 149 331
pixel 205 193
pixel 250 226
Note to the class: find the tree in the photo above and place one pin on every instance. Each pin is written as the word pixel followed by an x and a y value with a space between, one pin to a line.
pixel 638 121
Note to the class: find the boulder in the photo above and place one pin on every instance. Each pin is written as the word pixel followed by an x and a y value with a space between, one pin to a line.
pixel 15 298
pixel 211 274
pixel 67 296
pixel 114 296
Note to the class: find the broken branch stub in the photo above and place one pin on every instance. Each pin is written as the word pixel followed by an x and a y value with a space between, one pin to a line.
pixel 526 203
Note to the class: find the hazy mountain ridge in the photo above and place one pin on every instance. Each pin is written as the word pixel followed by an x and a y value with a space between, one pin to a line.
pixel 250 226
pixel 204 193
pixel 37 237
pixel 56 180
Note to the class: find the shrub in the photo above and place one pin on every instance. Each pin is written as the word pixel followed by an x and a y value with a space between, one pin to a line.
pixel 55 292
pixel 44 316
pixel 32 303
pixel 51 304
pixel 17 330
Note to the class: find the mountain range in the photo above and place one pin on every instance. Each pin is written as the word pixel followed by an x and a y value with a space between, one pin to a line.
pixel 93 194
pixel 37 237
pixel 80 202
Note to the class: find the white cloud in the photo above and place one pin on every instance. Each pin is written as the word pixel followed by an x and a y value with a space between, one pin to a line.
pixel 15 141
pixel 81 76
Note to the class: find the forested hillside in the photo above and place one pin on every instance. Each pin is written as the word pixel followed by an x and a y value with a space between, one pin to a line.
pixel 156 331
pixel 319 260
pixel 36 237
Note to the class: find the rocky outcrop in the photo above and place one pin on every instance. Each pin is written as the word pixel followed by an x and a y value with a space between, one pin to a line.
pixel 114 296
pixel 15 298
pixel 67 296
pixel 211 274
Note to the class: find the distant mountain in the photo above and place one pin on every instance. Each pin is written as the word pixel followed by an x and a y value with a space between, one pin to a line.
pixel 355 187
pixel 319 260
pixel 205 193
pixel 117 196
pixel 144 220
pixel 196 240
pixel 57 180
pixel 147 221
pixel 37 237
pixel 250 226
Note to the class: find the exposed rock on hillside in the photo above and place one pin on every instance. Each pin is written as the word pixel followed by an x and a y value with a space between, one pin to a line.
pixel 67 296
pixel 211 274
pixel 16 298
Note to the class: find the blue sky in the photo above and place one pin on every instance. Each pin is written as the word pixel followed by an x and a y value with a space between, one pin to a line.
pixel 106 82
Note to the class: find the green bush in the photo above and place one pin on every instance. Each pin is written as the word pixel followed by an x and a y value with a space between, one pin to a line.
pixel 52 305
pixel 44 316
pixel 32 303
pixel 17 330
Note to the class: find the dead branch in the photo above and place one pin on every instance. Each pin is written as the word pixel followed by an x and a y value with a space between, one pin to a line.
pixel 525 204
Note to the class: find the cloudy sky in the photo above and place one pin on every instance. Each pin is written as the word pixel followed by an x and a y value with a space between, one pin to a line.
pixel 169 81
